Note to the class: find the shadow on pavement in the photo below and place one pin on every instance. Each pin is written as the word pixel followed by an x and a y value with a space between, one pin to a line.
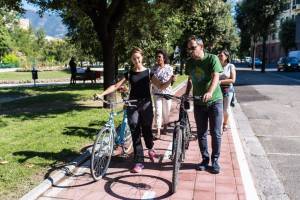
pixel 139 186
pixel 247 77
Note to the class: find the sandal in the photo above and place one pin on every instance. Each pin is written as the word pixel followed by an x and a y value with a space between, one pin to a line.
pixel 225 128
pixel 138 168
pixel 152 154
pixel 156 137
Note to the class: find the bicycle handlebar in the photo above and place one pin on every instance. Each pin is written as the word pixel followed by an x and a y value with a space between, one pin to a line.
pixel 127 102
pixel 170 96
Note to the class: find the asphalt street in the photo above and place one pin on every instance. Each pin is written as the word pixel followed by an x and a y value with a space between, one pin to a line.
pixel 271 102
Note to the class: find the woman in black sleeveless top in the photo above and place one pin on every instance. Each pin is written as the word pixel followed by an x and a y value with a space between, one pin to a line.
pixel 139 118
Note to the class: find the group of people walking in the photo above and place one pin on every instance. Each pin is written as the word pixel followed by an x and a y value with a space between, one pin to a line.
pixel 207 75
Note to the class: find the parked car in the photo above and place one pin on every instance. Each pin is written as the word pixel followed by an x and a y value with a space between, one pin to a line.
pixel 257 62
pixel 288 64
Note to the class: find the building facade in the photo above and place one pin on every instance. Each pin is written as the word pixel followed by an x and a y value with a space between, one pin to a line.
pixel 274 49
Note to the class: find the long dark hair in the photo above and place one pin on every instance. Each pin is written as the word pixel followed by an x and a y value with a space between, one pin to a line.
pixel 226 53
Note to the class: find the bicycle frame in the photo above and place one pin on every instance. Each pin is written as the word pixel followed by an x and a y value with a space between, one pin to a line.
pixel 121 134
pixel 182 123
pixel 111 120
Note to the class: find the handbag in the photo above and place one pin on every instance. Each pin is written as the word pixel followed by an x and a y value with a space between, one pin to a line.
pixel 233 100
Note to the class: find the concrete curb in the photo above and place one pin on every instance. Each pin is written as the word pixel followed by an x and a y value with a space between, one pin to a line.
pixel 266 182
pixel 56 177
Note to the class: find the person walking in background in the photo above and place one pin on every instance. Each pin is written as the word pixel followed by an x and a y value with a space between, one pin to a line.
pixel 227 78
pixel 73 70
pixel 203 70
pixel 140 117
pixel 163 72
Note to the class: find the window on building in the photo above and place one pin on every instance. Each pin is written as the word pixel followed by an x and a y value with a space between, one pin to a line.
pixel 272 49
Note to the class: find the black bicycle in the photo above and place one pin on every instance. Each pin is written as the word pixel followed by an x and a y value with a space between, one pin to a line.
pixel 182 134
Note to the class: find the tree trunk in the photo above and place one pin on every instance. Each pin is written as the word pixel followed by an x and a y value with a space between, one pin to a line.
pixel 108 65
pixel 264 46
pixel 181 66
pixel 108 62
pixel 253 56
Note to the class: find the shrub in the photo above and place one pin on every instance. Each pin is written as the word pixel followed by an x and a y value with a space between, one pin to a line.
pixel 11 59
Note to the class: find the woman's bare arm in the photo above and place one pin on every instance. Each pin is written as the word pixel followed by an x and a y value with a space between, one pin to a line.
pixel 112 88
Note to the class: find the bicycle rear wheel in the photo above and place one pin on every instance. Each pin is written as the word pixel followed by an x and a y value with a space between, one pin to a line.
pixel 101 153
pixel 127 146
pixel 192 136
pixel 177 157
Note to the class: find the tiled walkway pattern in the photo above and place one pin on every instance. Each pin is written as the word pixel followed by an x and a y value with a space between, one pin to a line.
pixel 155 180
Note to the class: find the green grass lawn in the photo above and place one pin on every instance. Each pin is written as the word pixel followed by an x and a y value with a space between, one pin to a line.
pixel 46 128
pixel 39 132
pixel 24 76
pixel 180 79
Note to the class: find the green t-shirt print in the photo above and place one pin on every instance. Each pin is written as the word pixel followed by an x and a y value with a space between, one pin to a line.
pixel 200 72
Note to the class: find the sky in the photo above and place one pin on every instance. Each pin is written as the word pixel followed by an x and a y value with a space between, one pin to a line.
pixel 28 6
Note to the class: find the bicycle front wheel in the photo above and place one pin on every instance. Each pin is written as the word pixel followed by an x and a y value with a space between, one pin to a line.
pixel 177 157
pixel 101 153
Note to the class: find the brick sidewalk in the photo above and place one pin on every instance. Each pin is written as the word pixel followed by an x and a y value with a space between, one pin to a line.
pixel 155 180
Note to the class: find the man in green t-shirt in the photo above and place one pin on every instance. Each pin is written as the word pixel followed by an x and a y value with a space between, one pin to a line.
pixel 203 70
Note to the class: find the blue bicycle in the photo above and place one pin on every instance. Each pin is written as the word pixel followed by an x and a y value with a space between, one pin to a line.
pixel 110 138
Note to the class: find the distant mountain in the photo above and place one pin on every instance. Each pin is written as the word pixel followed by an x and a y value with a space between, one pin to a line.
pixel 52 24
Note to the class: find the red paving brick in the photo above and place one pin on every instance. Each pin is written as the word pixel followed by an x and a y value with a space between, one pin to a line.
pixel 155 180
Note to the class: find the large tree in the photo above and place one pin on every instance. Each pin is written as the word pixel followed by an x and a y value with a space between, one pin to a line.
pixel 105 16
pixel 287 34
pixel 120 24
pixel 257 18
pixel 267 13
pixel 210 20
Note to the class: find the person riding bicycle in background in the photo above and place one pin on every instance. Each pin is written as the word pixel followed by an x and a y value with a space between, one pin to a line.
pixel 203 70
pixel 140 118
pixel 227 78
pixel 163 72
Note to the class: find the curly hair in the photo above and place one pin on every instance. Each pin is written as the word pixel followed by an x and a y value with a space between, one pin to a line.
pixel 165 55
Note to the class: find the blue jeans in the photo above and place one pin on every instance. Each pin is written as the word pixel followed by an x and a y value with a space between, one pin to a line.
pixel 214 115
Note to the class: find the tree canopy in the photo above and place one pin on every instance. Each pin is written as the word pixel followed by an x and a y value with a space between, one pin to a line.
pixel 256 18
pixel 287 34
pixel 108 30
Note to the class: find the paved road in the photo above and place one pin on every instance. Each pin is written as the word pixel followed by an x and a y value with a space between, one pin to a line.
pixel 271 101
